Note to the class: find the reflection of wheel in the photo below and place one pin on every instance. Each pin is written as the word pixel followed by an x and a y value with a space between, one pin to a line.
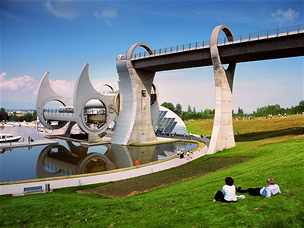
pixel 96 162
pixel 42 168
pixel 57 160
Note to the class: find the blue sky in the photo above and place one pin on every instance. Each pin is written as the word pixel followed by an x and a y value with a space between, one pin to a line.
pixel 61 36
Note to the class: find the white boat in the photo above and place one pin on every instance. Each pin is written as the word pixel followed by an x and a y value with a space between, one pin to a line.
pixel 6 138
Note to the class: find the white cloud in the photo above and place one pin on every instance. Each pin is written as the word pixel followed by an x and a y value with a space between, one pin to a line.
pixel 288 15
pixel 107 15
pixel 22 90
pixel 62 87
pixel 61 8
pixel 17 90
pixel 22 84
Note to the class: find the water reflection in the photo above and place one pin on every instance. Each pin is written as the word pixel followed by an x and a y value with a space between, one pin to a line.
pixel 70 159
pixel 59 160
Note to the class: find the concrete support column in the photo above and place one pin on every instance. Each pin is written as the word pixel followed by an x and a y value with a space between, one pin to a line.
pixel 222 131
pixel 134 124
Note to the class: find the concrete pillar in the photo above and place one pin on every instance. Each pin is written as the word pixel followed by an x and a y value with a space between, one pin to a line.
pixel 134 124
pixel 222 132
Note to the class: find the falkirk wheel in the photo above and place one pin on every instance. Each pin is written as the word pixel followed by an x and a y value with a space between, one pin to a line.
pixel 95 113
pixel 92 111
pixel 134 108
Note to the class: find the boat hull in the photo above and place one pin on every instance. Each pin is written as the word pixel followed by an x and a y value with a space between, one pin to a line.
pixel 14 139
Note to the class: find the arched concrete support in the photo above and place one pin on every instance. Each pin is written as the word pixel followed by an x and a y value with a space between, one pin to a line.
pixel 47 94
pixel 134 124
pixel 83 93
pixel 154 108
pixel 222 132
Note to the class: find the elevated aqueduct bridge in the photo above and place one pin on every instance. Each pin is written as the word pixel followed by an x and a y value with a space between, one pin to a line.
pixel 137 107
pixel 137 70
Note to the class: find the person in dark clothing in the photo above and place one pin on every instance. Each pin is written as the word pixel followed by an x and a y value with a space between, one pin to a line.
pixel 181 154
pixel 250 191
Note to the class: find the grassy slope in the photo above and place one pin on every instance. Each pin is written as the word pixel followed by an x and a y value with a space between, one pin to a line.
pixel 186 203
pixel 249 126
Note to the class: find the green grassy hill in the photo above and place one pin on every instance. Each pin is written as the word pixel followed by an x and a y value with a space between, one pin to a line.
pixel 187 200
pixel 256 125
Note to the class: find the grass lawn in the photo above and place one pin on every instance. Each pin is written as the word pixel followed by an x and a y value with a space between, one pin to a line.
pixel 181 197
pixel 257 125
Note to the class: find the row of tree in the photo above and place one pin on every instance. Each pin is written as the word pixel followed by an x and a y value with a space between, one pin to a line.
pixel 28 117
pixel 278 110
pixel 191 112
pixel 268 110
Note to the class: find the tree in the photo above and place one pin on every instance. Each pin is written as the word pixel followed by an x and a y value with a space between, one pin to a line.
pixel 178 109
pixel 299 108
pixel 189 109
pixel 13 117
pixel 240 112
pixel 34 116
pixel 28 117
pixel 3 115
pixel 269 110
pixel 168 105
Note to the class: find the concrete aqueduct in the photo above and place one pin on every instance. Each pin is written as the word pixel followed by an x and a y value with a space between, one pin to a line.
pixel 137 109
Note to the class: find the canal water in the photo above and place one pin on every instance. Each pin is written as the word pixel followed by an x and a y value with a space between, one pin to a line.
pixel 70 158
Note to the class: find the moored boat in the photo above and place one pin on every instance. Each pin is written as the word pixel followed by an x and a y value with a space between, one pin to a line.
pixel 6 138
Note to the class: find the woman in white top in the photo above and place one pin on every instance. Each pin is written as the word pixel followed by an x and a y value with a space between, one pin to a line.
pixel 269 190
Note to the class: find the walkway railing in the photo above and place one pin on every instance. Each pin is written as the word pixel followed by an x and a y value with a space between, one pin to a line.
pixel 206 44
pixel 58 113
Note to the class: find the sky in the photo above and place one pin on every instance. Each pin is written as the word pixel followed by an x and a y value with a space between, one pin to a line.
pixel 61 36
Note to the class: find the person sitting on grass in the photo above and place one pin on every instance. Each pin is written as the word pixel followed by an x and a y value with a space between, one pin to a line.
pixel 181 154
pixel 269 190
pixel 228 192
pixel 188 155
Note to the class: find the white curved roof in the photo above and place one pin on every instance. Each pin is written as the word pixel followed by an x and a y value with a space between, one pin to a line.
pixel 180 127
